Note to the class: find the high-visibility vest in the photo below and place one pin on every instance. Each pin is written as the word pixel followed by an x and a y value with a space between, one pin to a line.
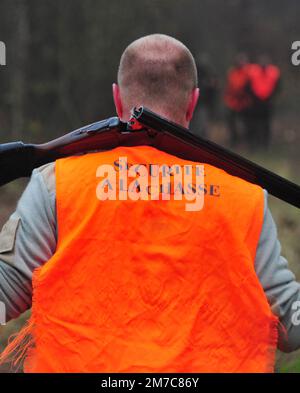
pixel 146 286
pixel 264 80
pixel 236 96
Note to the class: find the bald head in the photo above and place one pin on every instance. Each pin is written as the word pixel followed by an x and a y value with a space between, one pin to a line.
pixel 159 72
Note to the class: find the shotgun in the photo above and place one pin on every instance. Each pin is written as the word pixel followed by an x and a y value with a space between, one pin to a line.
pixel 145 127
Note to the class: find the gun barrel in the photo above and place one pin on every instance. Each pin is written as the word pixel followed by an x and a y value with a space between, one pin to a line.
pixel 18 159
pixel 199 149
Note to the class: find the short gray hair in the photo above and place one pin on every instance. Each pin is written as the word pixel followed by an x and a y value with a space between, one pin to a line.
pixel 157 71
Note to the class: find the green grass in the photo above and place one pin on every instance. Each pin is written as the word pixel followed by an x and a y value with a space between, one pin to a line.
pixel 291 367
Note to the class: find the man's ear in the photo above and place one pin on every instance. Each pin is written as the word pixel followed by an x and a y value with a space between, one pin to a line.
pixel 192 104
pixel 117 100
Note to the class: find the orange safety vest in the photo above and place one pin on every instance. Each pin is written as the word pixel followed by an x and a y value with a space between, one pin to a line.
pixel 145 286
pixel 263 80
pixel 236 96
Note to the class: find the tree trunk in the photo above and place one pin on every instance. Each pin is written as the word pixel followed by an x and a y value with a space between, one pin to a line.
pixel 18 63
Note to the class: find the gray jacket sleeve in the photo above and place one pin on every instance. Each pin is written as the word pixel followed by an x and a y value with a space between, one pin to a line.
pixel 27 241
pixel 29 238
pixel 279 284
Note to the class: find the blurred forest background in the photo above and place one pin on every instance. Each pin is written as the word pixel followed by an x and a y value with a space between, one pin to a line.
pixel 62 57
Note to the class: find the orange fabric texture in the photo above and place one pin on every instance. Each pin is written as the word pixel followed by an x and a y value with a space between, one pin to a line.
pixel 263 80
pixel 236 95
pixel 145 286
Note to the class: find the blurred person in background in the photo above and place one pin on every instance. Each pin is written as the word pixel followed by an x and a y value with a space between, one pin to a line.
pixel 237 98
pixel 264 81
pixel 209 87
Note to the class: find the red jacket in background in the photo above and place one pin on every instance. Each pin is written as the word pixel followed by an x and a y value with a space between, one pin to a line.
pixel 263 80
pixel 237 97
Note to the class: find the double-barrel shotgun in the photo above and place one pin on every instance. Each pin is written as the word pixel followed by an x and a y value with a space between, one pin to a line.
pixel 145 127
